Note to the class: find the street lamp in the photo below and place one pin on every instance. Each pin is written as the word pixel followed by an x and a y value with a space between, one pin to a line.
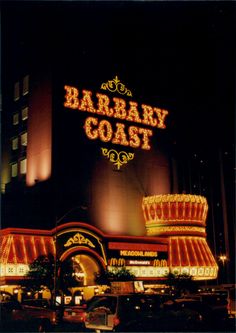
pixel 223 258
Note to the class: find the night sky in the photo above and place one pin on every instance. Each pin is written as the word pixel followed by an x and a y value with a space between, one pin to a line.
pixel 179 56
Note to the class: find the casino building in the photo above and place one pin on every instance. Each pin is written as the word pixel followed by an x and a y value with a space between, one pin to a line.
pixel 87 177
pixel 175 242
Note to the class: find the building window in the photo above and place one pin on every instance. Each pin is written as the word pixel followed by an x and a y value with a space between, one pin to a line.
pixel 16 91
pixel 14 144
pixel 21 270
pixel 23 139
pixel 24 113
pixel 16 119
pixel 23 166
pixel 14 170
pixel 26 85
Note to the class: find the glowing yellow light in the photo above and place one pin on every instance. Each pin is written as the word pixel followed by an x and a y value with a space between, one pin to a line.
pixel 146 134
pixel 103 130
pixel 71 97
pixel 120 136
pixel 117 158
pixel 223 258
pixel 92 135
pixel 119 108
pixel 150 116
pixel 86 103
pixel 134 138
pixel 103 105
pixel 116 85
pixel 161 115
pixel 133 114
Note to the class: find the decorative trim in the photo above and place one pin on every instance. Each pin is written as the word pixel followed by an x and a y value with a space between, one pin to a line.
pixel 115 85
pixel 78 239
pixel 117 158
pixel 174 198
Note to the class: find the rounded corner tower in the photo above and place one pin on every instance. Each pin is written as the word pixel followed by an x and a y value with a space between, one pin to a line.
pixel 182 219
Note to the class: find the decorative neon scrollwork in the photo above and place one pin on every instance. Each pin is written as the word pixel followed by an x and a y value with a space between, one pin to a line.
pixel 78 239
pixel 116 85
pixel 117 158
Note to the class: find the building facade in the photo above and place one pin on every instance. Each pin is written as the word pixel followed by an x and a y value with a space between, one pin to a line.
pixel 82 144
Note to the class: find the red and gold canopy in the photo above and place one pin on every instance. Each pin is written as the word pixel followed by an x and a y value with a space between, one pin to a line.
pixel 182 219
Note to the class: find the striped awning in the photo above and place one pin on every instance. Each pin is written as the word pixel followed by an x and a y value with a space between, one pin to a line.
pixel 24 248
pixel 193 256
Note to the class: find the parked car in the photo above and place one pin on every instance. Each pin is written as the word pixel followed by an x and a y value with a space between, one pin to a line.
pixel 15 318
pixel 209 305
pixel 131 313
pixel 74 314
pixel 43 308
pixel 41 303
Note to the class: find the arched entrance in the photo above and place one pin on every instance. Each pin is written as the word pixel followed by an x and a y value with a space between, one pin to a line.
pixel 81 247
pixel 85 267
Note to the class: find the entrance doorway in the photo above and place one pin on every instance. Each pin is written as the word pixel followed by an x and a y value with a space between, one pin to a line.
pixel 85 267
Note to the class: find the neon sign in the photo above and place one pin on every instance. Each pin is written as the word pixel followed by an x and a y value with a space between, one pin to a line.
pixel 117 108
pixel 138 253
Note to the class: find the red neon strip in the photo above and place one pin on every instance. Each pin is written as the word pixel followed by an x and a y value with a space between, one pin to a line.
pixel 3 245
pixel 28 248
pixel 183 254
pixel 38 246
pixel 136 246
pixel 19 250
pixel 174 253
pixel 10 258
pixel 192 256
pixel 203 252
pixel 209 254
pixel 198 252
pixel 49 245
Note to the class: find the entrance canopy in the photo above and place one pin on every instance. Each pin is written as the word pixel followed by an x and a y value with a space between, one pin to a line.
pixel 146 256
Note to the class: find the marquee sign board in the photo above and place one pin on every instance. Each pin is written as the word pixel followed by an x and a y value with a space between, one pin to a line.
pixel 134 122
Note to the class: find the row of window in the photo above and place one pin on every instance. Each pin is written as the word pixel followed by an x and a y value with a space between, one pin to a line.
pixel 21 88
pixel 24 116
pixel 14 269
pixel 15 141
pixel 19 168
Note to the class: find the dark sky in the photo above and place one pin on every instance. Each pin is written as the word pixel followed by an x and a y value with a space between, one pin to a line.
pixel 176 55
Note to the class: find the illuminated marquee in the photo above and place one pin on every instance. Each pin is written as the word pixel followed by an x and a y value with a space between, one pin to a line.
pixel 127 253
pixel 95 128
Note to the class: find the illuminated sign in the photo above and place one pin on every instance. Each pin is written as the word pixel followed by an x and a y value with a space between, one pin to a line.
pixel 136 262
pixel 139 262
pixel 138 253
pixel 77 238
pixel 117 108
